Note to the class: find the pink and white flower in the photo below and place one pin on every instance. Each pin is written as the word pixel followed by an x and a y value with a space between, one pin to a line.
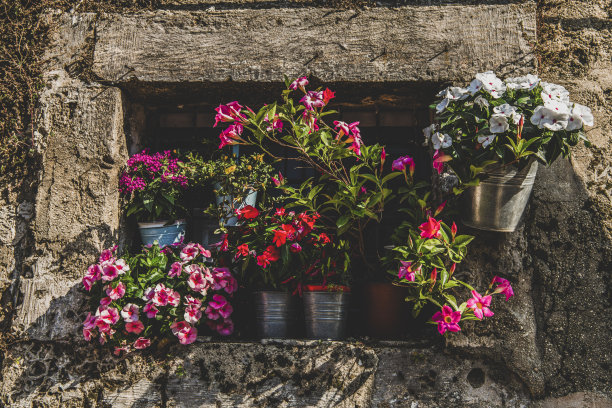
pixel 299 83
pixel 122 266
pixel 192 314
pixel 185 333
pixel 313 99
pixel 109 315
pixel 174 298
pixel 150 310
pixel 109 272
pixel 116 292
pixel 175 270
pixel 142 343
pixel 480 305
pixel 198 283
pixel 129 313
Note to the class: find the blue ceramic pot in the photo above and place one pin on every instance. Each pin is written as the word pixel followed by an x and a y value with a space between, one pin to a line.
pixel 162 233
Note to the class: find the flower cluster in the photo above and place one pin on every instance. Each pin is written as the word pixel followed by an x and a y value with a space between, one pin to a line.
pixel 507 121
pixel 160 292
pixel 153 185
pixel 427 265
pixel 280 248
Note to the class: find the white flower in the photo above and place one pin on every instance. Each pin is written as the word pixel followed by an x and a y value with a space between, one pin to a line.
pixel 525 82
pixel 554 93
pixel 553 116
pixel 489 82
pixel 428 131
pixel 508 111
pixel 442 105
pixel 439 140
pixel 486 140
pixel 481 101
pixel 580 115
pixel 498 123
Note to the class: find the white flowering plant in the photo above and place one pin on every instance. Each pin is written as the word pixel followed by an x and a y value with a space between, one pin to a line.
pixel 505 122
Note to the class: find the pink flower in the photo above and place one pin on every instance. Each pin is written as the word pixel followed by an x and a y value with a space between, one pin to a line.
pixel 160 298
pixel 342 128
pixel 150 310
pixel 383 156
pixel 185 333
pixel 295 248
pixel 453 231
pixel 439 158
pixel 87 333
pixel 406 272
pixel 447 320
pixel 117 292
pixel 105 301
pixel 174 298
pixel 175 270
pixel 401 163
pixel 278 181
pixel 122 266
pixel 189 252
pixel 191 301
pixel 480 305
pixel 503 287
pixel 218 307
pixel 198 283
pixel 129 312
pixel 231 135
pixel 313 99
pixel 277 124
pixel 430 229
pixel 118 350
pixel 192 314
pixel 94 273
pixel 229 113
pixel 225 327
pixel 109 272
pixel 90 321
pixel 110 316
pixel 299 83
pixel 142 343
pixel 440 208
pixel 107 256
pixel 134 327
pixel 148 294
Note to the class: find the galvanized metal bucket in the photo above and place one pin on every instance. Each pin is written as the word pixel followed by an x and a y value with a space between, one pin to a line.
pixel 325 314
pixel 275 314
pixel 151 232
pixel 499 201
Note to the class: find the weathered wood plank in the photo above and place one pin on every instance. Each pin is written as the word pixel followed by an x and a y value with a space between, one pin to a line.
pixel 413 43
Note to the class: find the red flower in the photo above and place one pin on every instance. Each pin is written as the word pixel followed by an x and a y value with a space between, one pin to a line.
pixel 248 212
pixel 263 261
pixel 280 237
pixel 430 229
pixel 324 239
pixel 328 95
pixel 272 253
pixel 280 211
pixel 243 250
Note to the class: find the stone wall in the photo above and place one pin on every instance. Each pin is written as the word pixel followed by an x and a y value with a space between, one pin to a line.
pixel 549 346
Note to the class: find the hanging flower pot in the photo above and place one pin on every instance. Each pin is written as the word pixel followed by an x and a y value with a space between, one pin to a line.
pixel 162 232
pixel 326 311
pixel 275 314
pixel 499 200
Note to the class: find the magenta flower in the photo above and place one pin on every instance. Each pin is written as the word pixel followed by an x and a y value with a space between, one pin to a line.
pixel 313 99
pixel 150 310
pixel 342 128
pixel 218 307
pixel 90 321
pixel 175 270
pixel 109 272
pixel 447 320
pixel 94 273
pixel 129 313
pixel 480 305
pixel 299 83
pixel 295 248
pixel 142 343
pixel 192 314
pixel 105 301
pixel 191 301
pixel 406 272
pixel 189 252
pixel 430 229
pixel 117 292
pixel 401 163
pixel 134 327
pixel 229 113
pixel 276 124
pixel 503 287
pixel 225 328
pixel 106 256
pixel 87 333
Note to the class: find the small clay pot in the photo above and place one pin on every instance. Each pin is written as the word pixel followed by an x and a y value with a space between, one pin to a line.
pixel 385 309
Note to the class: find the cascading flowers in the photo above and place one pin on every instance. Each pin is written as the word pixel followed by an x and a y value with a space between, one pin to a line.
pixel 427 264
pixel 143 298
pixel 506 122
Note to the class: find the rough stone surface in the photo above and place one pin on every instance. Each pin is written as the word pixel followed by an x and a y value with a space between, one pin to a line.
pixel 550 346
pixel 380 44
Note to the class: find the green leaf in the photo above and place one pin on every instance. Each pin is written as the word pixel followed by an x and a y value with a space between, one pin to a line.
pixel 343 220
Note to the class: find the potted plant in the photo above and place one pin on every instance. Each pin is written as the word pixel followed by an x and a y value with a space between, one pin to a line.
pixel 153 186
pixel 157 295
pixel 272 249
pixel 236 182
pixel 426 266
pixel 492 135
